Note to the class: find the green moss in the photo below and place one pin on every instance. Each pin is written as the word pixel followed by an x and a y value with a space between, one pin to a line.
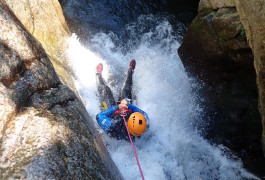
pixel 242 32
pixel 213 13
pixel 220 38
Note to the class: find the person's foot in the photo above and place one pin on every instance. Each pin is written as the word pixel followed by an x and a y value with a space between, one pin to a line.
pixel 99 68
pixel 132 64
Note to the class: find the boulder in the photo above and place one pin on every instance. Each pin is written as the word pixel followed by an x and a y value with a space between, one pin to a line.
pixel 45 131
pixel 45 21
pixel 216 52
pixel 216 44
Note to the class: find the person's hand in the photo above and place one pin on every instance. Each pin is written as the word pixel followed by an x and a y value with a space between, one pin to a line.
pixel 123 104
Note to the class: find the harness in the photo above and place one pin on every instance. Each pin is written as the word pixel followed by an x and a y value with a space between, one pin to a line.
pixel 122 112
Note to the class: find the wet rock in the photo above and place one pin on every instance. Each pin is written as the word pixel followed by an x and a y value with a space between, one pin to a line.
pixel 216 43
pixel 86 18
pixel 45 21
pixel 216 52
pixel 45 131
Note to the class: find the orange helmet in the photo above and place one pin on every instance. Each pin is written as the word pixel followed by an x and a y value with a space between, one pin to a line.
pixel 137 124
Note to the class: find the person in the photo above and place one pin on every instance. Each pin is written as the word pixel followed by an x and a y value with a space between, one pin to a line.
pixel 110 119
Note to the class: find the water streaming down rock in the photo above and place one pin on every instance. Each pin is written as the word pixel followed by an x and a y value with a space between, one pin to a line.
pixel 171 148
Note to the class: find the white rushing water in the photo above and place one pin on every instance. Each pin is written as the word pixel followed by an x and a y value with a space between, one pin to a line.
pixel 171 148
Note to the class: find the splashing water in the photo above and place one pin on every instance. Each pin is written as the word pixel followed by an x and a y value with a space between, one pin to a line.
pixel 171 148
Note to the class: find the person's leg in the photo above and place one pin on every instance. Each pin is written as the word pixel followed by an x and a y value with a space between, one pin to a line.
pixel 126 91
pixel 106 97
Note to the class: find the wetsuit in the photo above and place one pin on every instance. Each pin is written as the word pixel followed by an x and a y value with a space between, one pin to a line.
pixel 111 118
pixel 111 121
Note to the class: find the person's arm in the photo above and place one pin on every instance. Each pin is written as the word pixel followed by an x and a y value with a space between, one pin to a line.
pixel 136 109
pixel 103 119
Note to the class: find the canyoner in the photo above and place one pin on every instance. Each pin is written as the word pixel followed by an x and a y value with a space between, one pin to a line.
pixel 110 119
pixel 122 121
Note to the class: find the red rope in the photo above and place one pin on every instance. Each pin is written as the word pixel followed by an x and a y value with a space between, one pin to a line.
pixel 133 146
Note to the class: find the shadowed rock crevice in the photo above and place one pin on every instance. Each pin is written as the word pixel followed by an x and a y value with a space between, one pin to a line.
pixel 10 71
pixel 47 99
pixel 253 17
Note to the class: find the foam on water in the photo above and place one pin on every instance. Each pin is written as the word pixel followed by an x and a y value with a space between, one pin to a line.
pixel 171 148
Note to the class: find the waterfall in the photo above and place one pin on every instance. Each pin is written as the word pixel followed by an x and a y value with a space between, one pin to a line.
pixel 172 148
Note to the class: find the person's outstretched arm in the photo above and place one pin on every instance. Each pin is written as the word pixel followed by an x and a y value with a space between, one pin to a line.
pixel 136 109
pixel 103 118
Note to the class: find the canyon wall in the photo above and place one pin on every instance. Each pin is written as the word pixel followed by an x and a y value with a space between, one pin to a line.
pixel 224 49
pixel 45 131
pixel 46 22
pixel 252 16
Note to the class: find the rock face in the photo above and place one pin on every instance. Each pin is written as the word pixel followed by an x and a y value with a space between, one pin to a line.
pixel 45 132
pixel 217 43
pixel 45 21
pixel 215 4
pixel 252 16
pixel 215 50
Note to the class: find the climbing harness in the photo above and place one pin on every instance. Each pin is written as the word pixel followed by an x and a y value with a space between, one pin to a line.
pixel 122 112
pixel 132 145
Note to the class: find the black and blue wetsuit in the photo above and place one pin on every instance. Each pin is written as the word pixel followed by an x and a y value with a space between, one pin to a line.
pixel 112 122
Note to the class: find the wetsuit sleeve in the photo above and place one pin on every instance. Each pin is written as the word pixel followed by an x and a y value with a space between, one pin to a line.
pixel 136 109
pixel 103 118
